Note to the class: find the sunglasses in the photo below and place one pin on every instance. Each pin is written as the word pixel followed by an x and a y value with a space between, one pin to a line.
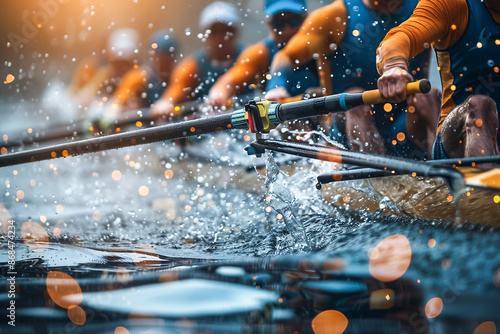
pixel 293 22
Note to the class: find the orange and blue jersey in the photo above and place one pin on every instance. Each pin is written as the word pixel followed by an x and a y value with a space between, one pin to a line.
pixel 193 78
pixel 466 37
pixel 301 79
pixel 141 84
pixel 347 33
pixel 354 63
pixel 209 72
pixel 252 66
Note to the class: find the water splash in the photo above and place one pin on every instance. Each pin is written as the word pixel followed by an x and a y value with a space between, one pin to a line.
pixel 284 202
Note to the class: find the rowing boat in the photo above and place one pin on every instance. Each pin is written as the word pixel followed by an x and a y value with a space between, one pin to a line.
pixel 426 198
pixel 400 195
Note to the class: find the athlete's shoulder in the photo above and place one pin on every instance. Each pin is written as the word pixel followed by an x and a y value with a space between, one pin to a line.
pixel 335 9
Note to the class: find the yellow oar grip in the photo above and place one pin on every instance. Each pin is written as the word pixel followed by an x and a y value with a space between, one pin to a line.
pixel 421 86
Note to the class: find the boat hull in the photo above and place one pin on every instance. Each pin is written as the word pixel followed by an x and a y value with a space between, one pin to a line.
pixel 416 197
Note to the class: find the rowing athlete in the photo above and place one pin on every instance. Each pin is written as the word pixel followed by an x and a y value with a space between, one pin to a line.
pixel 344 36
pixel 193 78
pixel 466 37
pixel 283 19
pixel 142 86
pixel 121 57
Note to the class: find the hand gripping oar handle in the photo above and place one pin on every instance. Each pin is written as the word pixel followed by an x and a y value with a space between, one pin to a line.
pixel 421 86
pixel 340 102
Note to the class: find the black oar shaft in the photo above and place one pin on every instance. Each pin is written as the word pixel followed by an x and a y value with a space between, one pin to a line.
pixel 143 136
pixel 355 174
pixel 454 177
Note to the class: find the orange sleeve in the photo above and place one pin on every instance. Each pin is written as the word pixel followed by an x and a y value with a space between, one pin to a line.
pixel 439 23
pixel 185 78
pixel 249 67
pixel 84 73
pixel 132 84
pixel 320 33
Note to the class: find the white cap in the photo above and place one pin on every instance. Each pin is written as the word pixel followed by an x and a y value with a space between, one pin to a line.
pixel 122 43
pixel 219 12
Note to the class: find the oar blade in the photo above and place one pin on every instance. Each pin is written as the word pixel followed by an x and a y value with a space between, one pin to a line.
pixel 489 179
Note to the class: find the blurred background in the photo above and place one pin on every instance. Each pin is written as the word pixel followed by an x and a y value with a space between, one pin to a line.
pixel 42 41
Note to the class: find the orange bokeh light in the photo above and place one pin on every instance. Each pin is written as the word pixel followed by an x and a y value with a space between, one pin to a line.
pixel 63 289
pixel 392 260
pixel 329 322
pixel 487 327
pixel 121 330
pixel 77 315
pixel 433 307
pixel 169 174
pixel 35 236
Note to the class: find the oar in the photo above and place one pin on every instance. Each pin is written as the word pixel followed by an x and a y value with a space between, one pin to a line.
pixel 82 127
pixel 473 176
pixel 106 125
pixel 258 116
pixel 380 162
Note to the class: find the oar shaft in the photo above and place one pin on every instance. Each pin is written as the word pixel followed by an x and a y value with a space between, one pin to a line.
pixel 356 174
pixel 454 177
pixel 143 136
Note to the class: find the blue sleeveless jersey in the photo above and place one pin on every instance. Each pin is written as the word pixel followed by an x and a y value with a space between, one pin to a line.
pixel 209 72
pixel 474 60
pixel 354 63
pixel 300 79
pixel 155 87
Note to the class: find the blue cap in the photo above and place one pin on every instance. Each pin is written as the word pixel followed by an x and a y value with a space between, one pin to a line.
pixel 163 41
pixel 273 7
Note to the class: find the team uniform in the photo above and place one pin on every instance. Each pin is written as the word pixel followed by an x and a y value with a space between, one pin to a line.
pixel 141 85
pixel 466 37
pixel 347 33
pixel 249 71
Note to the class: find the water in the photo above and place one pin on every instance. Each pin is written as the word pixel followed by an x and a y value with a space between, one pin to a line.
pixel 153 239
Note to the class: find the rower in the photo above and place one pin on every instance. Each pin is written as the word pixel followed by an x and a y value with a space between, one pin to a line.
pixel 345 49
pixel 142 86
pixel 283 19
pixel 466 36
pixel 193 78
pixel 121 57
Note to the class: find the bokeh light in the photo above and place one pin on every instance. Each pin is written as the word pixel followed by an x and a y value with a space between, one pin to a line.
pixel 329 322
pixel 433 307
pixel 63 289
pixel 35 236
pixel 487 327
pixel 391 258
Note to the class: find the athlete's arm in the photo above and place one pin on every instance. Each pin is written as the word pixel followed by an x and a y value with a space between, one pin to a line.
pixel 439 23
pixel 184 80
pixel 248 69
pixel 320 33
pixel 132 85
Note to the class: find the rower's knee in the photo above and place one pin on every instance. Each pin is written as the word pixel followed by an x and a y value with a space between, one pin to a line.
pixel 481 112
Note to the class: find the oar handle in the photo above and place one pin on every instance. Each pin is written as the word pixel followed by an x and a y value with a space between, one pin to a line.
pixel 421 86
pixel 338 102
